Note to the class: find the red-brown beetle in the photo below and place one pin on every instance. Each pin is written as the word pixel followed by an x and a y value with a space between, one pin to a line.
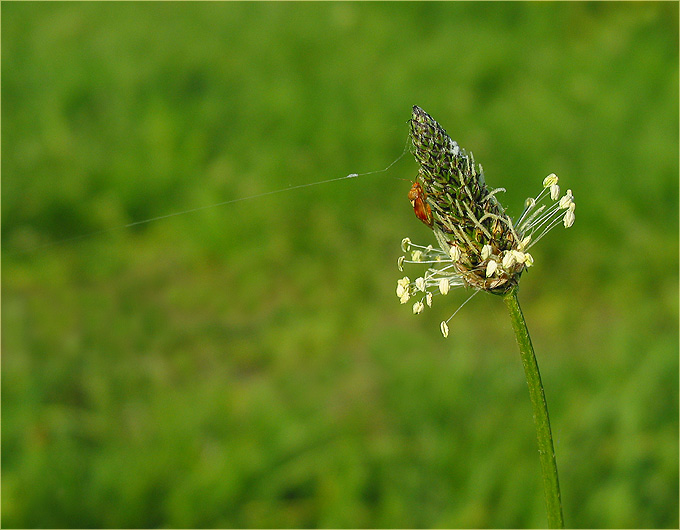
pixel 422 210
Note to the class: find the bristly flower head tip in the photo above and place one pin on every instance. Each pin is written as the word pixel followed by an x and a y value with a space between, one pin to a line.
pixel 479 245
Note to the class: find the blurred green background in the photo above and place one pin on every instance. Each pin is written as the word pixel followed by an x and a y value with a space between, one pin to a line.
pixel 249 365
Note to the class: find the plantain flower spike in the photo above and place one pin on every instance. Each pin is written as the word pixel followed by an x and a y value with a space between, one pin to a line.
pixel 480 246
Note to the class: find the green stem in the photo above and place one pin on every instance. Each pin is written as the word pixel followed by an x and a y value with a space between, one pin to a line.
pixel 546 452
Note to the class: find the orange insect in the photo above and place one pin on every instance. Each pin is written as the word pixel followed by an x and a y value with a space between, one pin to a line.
pixel 422 210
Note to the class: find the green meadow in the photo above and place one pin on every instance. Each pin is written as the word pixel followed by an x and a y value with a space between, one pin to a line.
pixel 247 363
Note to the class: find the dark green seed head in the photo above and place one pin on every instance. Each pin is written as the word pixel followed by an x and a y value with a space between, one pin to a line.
pixel 466 214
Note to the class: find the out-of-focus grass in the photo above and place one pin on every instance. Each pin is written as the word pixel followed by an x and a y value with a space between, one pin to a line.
pixel 249 365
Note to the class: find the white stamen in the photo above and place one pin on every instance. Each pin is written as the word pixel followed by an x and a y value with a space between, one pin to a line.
pixel 508 260
pixel 519 256
pixel 403 289
pixel 566 200
pixel 455 253
pixel 486 252
pixel 550 180
pixel 554 192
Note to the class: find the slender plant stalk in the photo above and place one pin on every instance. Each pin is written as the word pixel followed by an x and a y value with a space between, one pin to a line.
pixel 546 451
